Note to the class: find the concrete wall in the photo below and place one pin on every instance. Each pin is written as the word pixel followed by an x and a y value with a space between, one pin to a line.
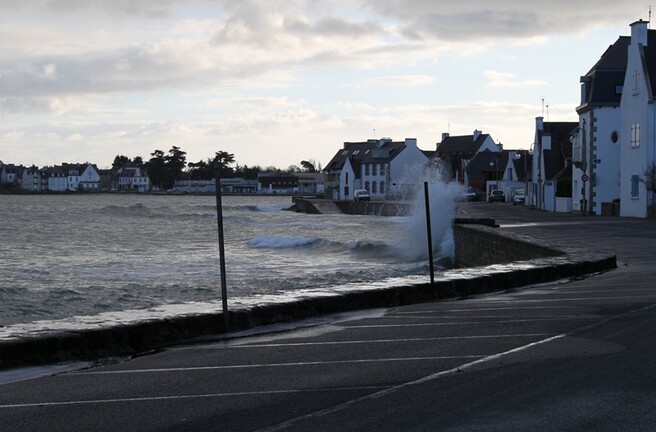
pixel 481 246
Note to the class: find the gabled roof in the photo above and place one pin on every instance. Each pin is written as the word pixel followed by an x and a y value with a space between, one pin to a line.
pixel 371 151
pixel 487 161
pixel 606 78
pixel 649 54
pixel 561 147
pixel 463 144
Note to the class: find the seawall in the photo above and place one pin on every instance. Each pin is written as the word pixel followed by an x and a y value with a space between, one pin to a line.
pixel 499 260
pixel 378 208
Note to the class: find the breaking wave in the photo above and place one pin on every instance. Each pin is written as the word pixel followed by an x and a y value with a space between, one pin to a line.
pixel 282 242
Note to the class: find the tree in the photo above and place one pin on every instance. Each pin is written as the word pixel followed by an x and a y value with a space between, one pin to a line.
pixel 119 161
pixel 308 166
pixel 175 162
pixel 138 161
pixel 650 180
pixel 223 160
pixel 156 167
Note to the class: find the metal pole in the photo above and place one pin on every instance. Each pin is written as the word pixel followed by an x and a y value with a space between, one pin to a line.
pixel 219 219
pixel 428 233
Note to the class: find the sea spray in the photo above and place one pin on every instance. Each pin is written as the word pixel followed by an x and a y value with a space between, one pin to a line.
pixel 442 198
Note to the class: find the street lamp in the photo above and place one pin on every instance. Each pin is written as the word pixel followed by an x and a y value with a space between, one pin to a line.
pixel 495 163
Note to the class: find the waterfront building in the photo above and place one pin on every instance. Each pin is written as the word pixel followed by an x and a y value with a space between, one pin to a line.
pixel 381 166
pixel 457 151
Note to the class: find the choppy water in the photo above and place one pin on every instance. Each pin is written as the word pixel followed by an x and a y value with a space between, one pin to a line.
pixel 70 255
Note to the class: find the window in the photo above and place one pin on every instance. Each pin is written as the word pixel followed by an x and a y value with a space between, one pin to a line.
pixel 614 137
pixel 374 169
pixel 382 187
pixel 635 186
pixel 382 170
pixel 366 169
pixel 366 185
pixel 635 135
pixel 636 83
pixel 374 188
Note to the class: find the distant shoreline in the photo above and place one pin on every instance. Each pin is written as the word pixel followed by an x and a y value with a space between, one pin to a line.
pixel 69 193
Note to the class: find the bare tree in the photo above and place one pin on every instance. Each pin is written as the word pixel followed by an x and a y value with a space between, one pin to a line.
pixel 650 180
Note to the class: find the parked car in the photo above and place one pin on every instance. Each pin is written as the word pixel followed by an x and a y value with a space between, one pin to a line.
pixel 497 195
pixel 361 195
pixel 519 197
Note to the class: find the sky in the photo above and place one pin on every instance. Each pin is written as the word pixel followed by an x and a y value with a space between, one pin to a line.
pixel 275 82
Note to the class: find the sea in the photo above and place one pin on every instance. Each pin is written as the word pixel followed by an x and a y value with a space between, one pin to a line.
pixel 65 256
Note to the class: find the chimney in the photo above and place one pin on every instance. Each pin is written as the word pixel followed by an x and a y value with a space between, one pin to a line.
pixel 411 142
pixel 445 135
pixel 639 32
pixel 539 123
pixel 477 134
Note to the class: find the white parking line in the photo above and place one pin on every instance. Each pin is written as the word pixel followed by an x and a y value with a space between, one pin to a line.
pixel 485 309
pixel 469 322
pixel 381 341
pixel 274 365
pixel 182 397
pixel 575 299
pixel 437 375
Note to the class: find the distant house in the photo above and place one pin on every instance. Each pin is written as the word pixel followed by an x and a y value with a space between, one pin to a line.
pixel 56 178
pixel 507 170
pixel 380 166
pixel 282 183
pixel 311 183
pixel 11 175
pixel 132 177
pixel 638 118
pixel 457 151
pixel 596 141
pixel 31 179
pixel 552 154
pixel 89 178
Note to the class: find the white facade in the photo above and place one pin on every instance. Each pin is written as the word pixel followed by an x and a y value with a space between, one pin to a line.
pixel 31 180
pixel 348 182
pixel 89 178
pixel 596 159
pixel 408 161
pixel 57 181
pixel 638 127
pixel 132 178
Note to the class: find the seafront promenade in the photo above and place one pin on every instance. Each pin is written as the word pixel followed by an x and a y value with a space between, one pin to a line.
pixel 572 354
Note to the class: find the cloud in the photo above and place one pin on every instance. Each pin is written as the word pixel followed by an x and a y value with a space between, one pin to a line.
pixel 478 20
pixel 399 80
pixel 509 80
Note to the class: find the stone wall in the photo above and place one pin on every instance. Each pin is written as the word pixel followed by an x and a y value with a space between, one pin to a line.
pixel 481 245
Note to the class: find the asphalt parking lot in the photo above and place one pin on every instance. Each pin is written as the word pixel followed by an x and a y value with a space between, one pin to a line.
pixel 572 355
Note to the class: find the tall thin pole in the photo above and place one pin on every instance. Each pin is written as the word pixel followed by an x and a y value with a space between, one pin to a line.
pixel 429 234
pixel 219 220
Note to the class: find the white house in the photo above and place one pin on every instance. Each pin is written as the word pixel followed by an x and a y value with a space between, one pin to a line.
pixel 638 122
pixel 376 165
pixel 89 177
pixel 72 176
pixel 131 177
pixel 31 179
pixel 57 179
pixel 596 142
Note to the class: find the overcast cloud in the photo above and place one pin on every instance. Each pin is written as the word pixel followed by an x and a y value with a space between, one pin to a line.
pixel 130 63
